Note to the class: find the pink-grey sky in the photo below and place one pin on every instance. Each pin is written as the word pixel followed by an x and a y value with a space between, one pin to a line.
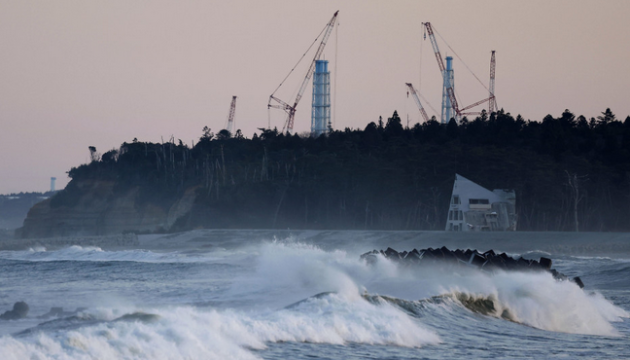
pixel 76 73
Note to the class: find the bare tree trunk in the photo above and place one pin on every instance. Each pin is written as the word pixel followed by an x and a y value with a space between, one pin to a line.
pixel 275 216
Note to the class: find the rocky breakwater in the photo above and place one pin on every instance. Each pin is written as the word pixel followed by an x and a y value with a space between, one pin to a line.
pixel 94 207
pixel 487 261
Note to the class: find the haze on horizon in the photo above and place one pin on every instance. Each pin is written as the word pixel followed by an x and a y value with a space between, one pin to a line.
pixel 78 74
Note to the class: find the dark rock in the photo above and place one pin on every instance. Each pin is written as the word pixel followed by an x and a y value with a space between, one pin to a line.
pixel 460 255
pixel 54 311
pixel 391 254
pixel 373 252
pixel 414 256
pixel 20 310
pixel 522 263
pixel 545 263
pixel 488 261
pixel 579 282
pixel 477 260
pixel 438 254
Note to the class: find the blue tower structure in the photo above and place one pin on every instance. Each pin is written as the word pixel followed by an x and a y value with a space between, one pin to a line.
pixel 320 116
pixel 449 81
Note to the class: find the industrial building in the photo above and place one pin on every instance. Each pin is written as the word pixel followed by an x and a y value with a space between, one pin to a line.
pixel 320 117
pixel 475 208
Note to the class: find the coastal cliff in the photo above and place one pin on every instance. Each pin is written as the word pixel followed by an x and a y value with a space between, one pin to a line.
pixel 568 174
pixel 99 210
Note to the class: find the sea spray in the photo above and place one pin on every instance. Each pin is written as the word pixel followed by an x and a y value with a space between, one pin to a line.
pixel 188 332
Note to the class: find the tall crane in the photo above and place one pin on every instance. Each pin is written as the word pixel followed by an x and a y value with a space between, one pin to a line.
pixel 492 103
pixel 290 109
pixel 417 99
pixel 230 120
pixel 438 56
pixel 449 86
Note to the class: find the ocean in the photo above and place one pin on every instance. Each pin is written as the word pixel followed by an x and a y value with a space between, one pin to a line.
pixel 307 295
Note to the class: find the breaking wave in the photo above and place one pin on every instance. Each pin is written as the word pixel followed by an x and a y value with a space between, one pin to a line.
pixel 188 332
pixel 273 301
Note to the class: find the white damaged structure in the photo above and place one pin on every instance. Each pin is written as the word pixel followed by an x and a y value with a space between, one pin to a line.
pixel 475 208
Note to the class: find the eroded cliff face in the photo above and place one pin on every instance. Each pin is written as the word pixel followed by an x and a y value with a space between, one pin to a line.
pixel 98 210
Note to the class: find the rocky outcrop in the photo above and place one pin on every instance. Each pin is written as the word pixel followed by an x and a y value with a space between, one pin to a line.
pixel 487 261
pixel 98 210
pixel 20 310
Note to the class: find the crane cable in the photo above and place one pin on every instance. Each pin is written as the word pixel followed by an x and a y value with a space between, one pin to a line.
pixel 428 103
pixel 296 64
pixel 460 59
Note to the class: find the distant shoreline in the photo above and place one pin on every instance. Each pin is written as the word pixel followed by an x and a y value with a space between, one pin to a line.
pixel 359 241
pixel 122 241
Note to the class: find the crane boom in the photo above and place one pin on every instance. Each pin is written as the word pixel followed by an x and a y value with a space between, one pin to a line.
pixel 491 99
pixel 290 109
pixel 436 49
pixel 475 104
pixel 417 99
pixel 438 56
pixel 230 120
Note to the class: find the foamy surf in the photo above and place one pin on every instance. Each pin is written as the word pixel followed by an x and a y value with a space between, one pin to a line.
pixel 271 298
pixel 188 332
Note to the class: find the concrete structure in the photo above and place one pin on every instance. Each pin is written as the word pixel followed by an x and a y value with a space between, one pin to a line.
pixel 320 117
pixel 52 183
pixel 449 81
pixel 475 208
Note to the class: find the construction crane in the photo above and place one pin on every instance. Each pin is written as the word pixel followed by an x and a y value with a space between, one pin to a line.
pixel 417 99
pixel 230 120
pixel 449 88
pixel 492 103
pixel 290 109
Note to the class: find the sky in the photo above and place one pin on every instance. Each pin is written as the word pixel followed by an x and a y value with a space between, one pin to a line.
pixel 80 73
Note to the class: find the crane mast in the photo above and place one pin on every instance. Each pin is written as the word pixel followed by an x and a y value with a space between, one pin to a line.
pixel 492 104
pixel 417 99
pixel 290 109
pixel 230 120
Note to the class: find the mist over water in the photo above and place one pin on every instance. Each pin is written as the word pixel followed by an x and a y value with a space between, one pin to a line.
pixel 260 297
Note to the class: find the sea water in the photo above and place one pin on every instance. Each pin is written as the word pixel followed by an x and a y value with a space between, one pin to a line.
pixel 256 296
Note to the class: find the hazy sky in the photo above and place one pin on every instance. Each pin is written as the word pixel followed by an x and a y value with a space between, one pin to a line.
pixel 79 73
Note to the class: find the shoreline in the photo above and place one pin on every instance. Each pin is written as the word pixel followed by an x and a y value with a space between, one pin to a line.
pixel 607 244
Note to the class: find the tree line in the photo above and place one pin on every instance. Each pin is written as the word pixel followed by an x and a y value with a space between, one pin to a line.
pixel 569 173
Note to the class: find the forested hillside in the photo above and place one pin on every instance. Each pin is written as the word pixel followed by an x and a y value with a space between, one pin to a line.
pixel 385 176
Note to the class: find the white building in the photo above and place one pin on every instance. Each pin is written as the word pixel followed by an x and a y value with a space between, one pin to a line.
pixel 475 208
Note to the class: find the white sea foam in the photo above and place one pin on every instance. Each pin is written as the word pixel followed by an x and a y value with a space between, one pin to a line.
pixel 534 299
pixel 190 333
pixel 291 271
pixel 277 305
pixel 542 302
pixel 284 273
